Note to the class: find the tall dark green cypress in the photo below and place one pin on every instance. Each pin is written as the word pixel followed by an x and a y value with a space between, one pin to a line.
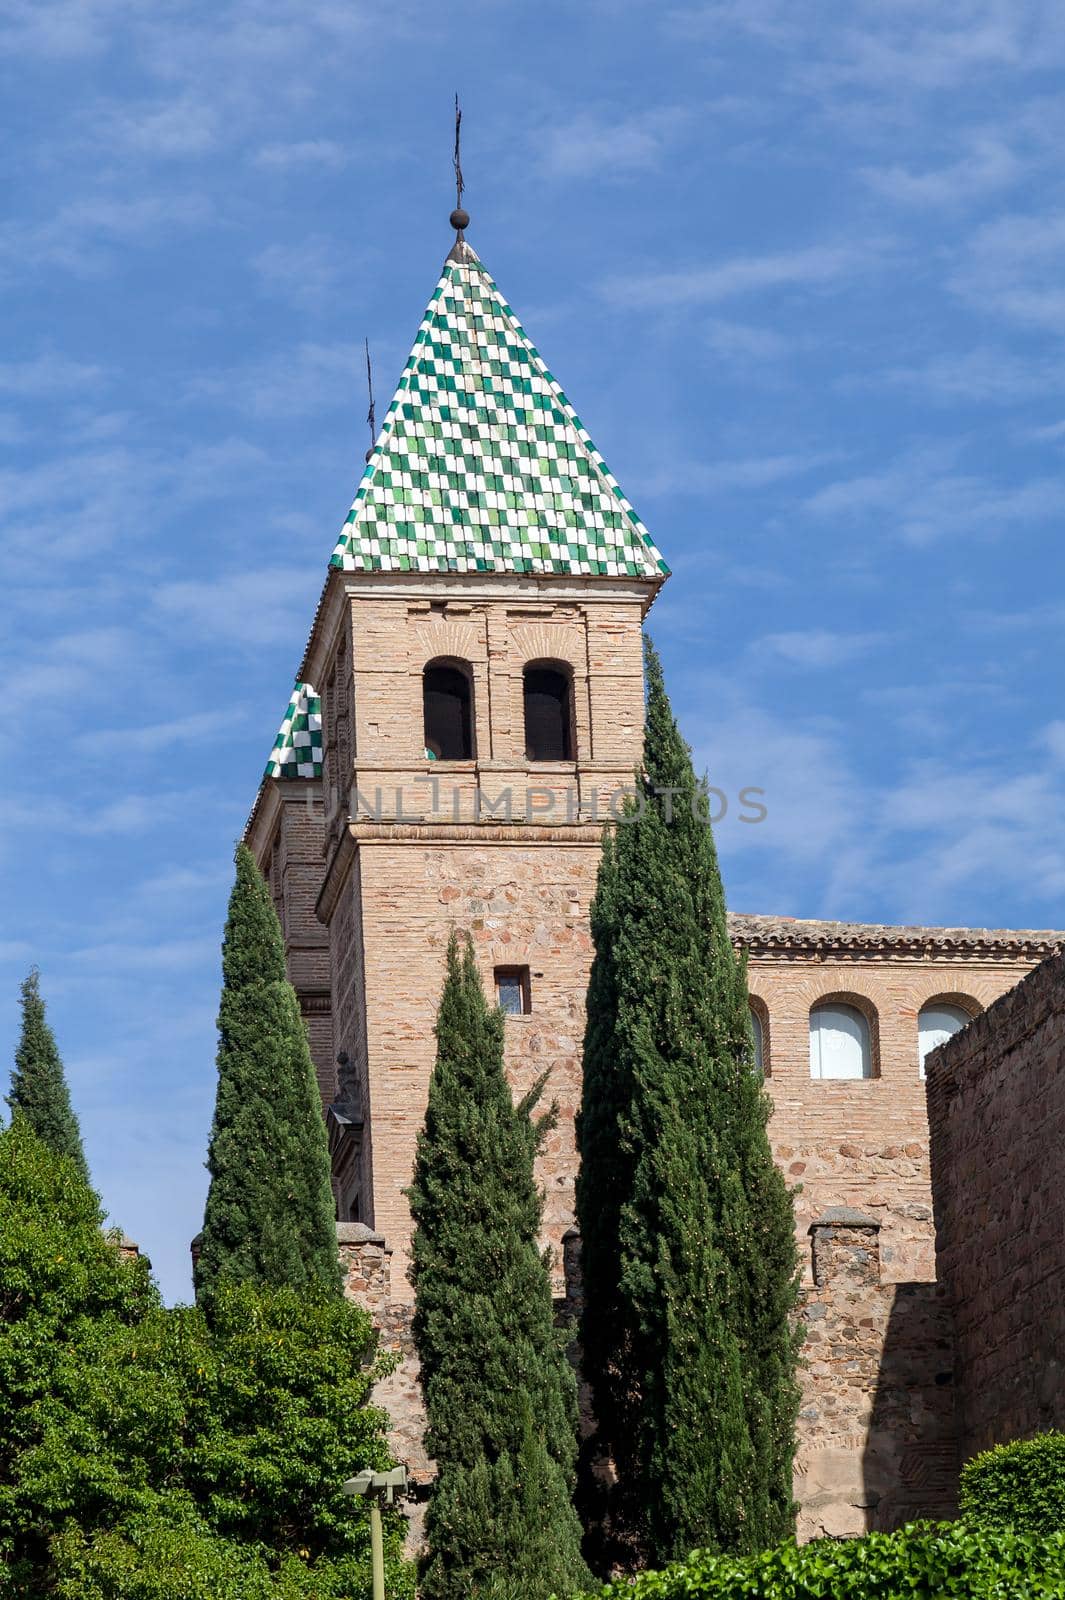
pixel 39 1084
pixel 499 1391
pixel 690 1261
pixel 270 1216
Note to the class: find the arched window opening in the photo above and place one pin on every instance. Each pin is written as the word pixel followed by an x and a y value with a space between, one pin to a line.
pixel 548 720
pixel 447 703
pixel 759 1045
pixel 840 1043
pixel 936 1024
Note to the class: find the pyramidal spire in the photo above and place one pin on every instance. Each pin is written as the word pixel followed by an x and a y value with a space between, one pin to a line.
pixel 482 464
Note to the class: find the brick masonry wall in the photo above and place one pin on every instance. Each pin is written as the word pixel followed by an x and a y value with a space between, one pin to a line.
pixel 524 902
pixel 290 854
pixel 996 1097
pixel 864 1142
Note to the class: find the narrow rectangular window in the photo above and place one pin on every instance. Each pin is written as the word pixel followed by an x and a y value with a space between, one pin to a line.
pixel 512 990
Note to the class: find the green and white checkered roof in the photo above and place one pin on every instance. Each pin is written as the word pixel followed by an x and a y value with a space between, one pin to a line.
pixel 482 464
pixel 297 751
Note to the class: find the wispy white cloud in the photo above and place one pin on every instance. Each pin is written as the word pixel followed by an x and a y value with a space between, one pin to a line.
pixel 244 607
pixel 889 49
pixel 937 837
pixel 326 155
pixel 110 493
pixel 308 378
pixel 187 125
pixel 987 373
pixel 1014 267
pixel 989 165
pixel 744 343
pixel 809 268
pixel 81 235
pixel 597 145
pixel 815 647
pixel 15 951
pixel 202 727
pixel 304 273
pixel 24 811
pixel 748 472
pixel 166 955
pixel 47 375
pixel 922 498
pixel 1053 738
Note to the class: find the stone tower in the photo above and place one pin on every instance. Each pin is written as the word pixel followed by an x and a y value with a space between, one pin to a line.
pixel 468 712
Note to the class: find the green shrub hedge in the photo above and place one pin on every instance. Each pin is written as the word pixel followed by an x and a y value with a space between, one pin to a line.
pixel 924 1561
pixel 1019 1485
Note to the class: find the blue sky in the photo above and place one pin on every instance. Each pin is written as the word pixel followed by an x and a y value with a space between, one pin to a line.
pixel 800 270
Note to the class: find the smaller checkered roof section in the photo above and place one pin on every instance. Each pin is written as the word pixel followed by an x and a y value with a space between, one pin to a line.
pixel 297 751
pixel 482 464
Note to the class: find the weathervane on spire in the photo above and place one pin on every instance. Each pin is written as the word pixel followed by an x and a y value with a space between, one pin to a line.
pixel 370 415
pixel 460 218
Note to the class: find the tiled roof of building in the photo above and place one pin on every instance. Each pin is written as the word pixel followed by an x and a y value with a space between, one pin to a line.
pixel 297 751
pixel 482 464
pixel 800 933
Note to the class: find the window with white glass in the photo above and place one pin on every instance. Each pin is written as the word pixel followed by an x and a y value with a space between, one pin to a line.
pixel 759 1047
pixel 840 1042
pixel 935 1025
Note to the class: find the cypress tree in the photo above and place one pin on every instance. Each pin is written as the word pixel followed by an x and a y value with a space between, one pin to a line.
pixel 38 1083
pixel 270 1215
pixel 499 1391
pixel 687 1226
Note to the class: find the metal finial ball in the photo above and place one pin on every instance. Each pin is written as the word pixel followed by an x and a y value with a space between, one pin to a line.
pixel 460 219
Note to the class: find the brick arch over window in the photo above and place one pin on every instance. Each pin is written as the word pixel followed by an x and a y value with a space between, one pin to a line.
pixel 760 1021
pixel 954 997
pixel 548 711
pixel 447 709
pixel 941 1016
pixel 857 1019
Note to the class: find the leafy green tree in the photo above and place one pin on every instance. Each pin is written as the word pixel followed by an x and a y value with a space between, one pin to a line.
pixel 687 1226
pixel 499 1391
pixel 38 1083
pixel 270 1215
pixel 148 1454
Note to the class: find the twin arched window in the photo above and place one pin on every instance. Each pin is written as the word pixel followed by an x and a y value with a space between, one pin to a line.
pixel 447 704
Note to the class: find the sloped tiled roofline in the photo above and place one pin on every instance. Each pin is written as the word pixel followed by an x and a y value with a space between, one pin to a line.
pixel 764 935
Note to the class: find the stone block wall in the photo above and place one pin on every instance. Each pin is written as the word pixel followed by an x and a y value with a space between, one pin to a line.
pixel 875 1432
pixel 366 1262
pixel 996 1101
pixel 876 1440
